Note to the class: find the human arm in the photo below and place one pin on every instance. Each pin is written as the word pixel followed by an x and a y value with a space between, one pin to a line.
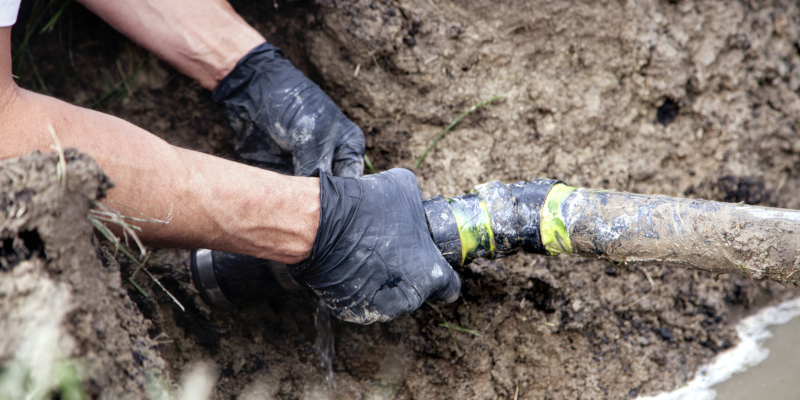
pixel 372 257
pixel 362 244
pixel 203 39
pixel 282 120
pixel 213 202
pixel 227 206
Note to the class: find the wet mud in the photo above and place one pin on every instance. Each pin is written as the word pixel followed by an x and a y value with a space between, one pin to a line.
pixel 720 238
pixel 680 98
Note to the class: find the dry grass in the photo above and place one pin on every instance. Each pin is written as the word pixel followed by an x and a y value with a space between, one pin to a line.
pixel 103 217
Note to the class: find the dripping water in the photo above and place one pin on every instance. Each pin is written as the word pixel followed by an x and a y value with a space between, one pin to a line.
pixel 324 344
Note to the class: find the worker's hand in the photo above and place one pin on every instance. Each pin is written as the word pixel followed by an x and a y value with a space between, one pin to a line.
pixel 373 258
pixel 285 121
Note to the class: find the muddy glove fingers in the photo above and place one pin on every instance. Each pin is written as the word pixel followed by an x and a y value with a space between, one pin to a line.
pixel 373 258
pixel 348 160
pixel 284 121
pixel 337 150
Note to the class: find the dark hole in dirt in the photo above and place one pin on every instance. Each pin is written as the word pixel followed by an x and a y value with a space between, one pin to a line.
pixel 25 246
pixel 204 332
pixel 667 112
pixel 665 334
pixel 139 357
pixel 738 295
pixel 747 189
pixel 542 296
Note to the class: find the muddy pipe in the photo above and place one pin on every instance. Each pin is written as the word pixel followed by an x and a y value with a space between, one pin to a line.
pixel 548 217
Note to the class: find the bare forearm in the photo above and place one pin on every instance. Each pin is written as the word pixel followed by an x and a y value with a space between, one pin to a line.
pixel 203 39
pixel 213 202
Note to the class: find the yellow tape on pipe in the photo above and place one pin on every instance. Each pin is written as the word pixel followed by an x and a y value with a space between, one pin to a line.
pixel 555 236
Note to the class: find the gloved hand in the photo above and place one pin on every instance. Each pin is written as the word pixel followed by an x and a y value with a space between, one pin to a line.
pixel 373 258
pixel 285 121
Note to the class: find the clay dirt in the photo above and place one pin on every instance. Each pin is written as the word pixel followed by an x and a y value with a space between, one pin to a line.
pixel 695 99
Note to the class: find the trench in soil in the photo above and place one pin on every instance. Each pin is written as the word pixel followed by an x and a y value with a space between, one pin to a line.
pixel 694 99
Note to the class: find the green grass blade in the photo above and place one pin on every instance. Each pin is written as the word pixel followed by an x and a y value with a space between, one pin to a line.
pixel 369 165
pixel 113 239
pixel 454 123
pixel 433 306
pixel 38 11
pixel 164 289
pixel 95 220
pixel 450 327
pixel 39 79
pixel 139 288
pixel 121 84
pixel 105 231
pixel 460 329
pixel 52 22
pixel 455 342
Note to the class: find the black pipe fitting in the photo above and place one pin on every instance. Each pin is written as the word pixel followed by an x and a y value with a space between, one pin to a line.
pixel 530 197
pixel 495 221
pixel 443 228
pixel 226 279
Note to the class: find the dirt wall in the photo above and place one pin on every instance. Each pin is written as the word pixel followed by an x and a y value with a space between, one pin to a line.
pixel 64 315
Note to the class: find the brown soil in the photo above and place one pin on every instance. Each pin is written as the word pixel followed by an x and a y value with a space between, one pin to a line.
pixel 683 98
pixel 57 300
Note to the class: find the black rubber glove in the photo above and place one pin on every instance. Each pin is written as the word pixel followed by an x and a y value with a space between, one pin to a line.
pixel 373 258
pixel 285 121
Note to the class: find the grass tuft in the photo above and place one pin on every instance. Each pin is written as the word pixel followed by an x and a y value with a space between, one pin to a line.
pixel 121 88
pixel 102 216
pixel 453 124
pixel 40 10
pixel 741 267
pixel 451 327
pixel 48 27
pixel 459 328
